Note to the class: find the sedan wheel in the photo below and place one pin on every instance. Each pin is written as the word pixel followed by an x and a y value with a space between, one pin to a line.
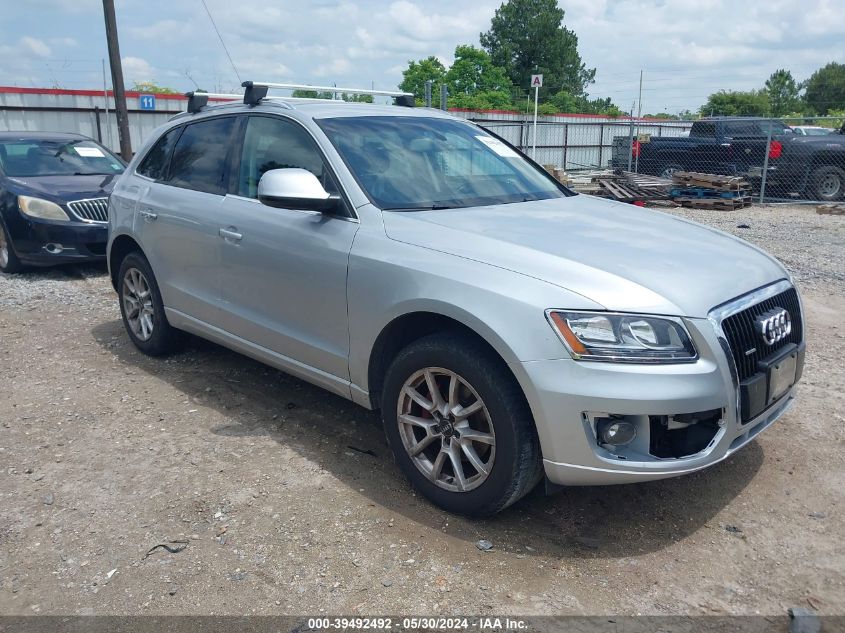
pixel 138 304
pixel 446 429
pixel 4 249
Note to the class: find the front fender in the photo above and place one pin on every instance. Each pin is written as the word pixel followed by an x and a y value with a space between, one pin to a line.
pixel 390 279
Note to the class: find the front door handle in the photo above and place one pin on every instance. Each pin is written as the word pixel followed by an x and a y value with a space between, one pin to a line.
pixel 148 215
pixel 230 234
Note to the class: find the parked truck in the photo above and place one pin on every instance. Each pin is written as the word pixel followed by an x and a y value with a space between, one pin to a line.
pixel 798 166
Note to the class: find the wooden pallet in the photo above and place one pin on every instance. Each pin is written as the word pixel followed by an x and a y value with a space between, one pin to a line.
pixel 720 204
pixel 709 181
pixel 626 192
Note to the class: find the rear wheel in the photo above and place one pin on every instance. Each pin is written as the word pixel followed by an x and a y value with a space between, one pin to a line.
pixel 829 183
pixel 669 170
pixel 142 308
pixel 9 262
pixel 459 425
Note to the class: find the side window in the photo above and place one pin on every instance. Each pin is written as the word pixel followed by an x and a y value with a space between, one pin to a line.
pixel 199 158
pixel 156 161
pixel 273 143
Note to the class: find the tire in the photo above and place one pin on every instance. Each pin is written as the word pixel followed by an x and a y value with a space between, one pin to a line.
pixel 829 183
pixel 142 309
pixel 666 171
pixel 503 462
pixel 9 262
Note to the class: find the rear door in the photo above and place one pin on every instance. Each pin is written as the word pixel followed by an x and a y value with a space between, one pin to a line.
pixel 283 271
pixel 179 213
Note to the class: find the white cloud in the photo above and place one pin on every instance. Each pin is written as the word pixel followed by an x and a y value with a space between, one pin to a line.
pixel 34 46
pixel 136 69
pixel 687 48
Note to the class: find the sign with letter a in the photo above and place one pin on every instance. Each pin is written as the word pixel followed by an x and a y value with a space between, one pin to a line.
pixel 536 81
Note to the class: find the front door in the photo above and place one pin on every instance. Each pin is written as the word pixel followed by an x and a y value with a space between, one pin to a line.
pixel 283 271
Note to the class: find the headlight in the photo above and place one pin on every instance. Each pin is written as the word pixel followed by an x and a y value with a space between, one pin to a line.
pixel 43 209
pixel 623 338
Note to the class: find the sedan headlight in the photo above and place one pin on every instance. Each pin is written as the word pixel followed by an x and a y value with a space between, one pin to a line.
pixel 623 338
pixel 41 209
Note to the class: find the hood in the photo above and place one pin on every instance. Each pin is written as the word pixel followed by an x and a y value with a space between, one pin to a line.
pixel 622 257
pixel 63 189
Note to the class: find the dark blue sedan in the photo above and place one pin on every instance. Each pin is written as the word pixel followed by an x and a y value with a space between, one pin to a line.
pixel 54 192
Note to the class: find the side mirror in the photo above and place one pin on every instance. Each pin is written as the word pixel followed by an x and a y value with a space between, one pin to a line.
pixel 295 188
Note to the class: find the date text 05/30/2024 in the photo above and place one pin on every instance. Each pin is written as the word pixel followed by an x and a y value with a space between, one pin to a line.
pixel 422 623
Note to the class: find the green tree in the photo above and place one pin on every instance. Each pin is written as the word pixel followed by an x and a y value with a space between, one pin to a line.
pixel 825 89
pixel 356 98
pixel 782 90
pixel 528 37
pixel 150 87
pixel 312 94
pixel 475 83
pixel 417 73
pixel 737 103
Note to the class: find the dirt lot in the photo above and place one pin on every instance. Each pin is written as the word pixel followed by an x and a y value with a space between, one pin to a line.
pixel 105 453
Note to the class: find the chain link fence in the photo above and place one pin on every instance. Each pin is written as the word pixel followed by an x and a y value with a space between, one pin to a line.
pixel 787 159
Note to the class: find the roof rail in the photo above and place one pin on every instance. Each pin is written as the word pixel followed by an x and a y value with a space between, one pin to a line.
pixel 402 98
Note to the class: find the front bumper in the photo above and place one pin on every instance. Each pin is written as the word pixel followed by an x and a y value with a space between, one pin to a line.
pixel 563 394
pixel 43 243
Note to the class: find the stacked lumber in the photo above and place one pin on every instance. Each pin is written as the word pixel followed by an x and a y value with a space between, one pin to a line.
pixel 710 191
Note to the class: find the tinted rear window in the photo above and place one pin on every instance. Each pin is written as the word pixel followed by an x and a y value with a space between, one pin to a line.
pixel 200 156
pixel 155 163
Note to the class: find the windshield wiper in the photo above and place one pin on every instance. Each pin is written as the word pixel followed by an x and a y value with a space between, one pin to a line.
pixel 433 207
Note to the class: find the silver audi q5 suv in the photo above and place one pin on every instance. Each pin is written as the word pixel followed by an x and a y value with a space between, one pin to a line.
pixel 508 329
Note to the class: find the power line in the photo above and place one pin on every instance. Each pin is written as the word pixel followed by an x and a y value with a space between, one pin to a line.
pixel 237 74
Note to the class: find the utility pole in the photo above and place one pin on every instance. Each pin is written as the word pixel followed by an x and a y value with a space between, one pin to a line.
pixel 117 80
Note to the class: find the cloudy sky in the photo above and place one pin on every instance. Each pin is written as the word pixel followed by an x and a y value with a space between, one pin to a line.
pixel 686 48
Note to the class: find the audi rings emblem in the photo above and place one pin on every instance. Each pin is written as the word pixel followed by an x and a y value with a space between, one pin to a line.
pixel 774 325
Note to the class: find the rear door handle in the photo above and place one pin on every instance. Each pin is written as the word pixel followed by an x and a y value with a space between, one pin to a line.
pixel 148 215
pixel 231 234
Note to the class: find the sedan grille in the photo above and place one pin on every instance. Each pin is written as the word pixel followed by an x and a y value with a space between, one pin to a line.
pixel 747 346
pixel 93 210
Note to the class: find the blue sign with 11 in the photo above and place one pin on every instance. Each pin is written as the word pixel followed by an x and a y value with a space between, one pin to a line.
pixel 147 102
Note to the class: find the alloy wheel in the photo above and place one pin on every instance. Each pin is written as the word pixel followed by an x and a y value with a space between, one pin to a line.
pixel 446 429
pixel 138 304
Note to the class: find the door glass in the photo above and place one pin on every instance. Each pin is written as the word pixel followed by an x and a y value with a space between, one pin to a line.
pixel 199 159
pixel 155 163
pixel 273 143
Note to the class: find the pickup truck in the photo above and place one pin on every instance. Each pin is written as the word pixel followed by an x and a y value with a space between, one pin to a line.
pixel 811 167
pixel 814 166
pixel 714 146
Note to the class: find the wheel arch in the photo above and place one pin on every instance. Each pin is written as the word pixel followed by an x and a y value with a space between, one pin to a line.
pixel 414 324
pixel 119 248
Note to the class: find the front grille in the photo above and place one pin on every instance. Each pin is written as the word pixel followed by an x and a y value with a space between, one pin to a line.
pixel 93 210
pixel 741 331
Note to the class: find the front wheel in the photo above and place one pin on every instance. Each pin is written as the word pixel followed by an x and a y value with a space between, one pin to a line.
pixel 9 262
pixel 459 425
pixel 829 183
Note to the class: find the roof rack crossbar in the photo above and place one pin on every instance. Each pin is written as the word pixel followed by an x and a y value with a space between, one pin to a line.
pixel 198 100
pixel 332 89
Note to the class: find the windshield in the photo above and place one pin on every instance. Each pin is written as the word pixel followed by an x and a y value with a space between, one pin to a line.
pixel 411 163
pixel 816 131
pixel 49 157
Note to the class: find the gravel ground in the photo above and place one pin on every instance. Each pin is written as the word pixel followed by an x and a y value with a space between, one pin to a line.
pixel 286 500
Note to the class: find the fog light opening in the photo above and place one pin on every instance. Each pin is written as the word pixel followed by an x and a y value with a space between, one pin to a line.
pixel 53 249
pixel 615 432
